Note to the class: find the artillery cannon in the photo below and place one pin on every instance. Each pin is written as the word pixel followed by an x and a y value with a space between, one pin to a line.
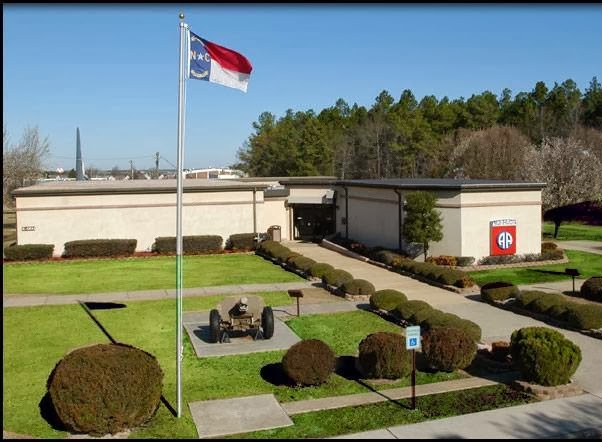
pixel 246 314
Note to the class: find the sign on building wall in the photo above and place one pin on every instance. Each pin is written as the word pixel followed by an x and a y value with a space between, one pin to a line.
pixel 503 237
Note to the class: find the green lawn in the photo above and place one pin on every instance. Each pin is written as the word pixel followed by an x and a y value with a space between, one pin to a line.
pixel 588 264
pixel 572 231
pixel 36 338
pixel 342 421
pixel 120 275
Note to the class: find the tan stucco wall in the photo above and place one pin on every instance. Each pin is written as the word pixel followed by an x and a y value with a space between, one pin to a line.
pixel 479 209
pixel 373 219
pixel 373 216
pixel 142 216
pixel 273 212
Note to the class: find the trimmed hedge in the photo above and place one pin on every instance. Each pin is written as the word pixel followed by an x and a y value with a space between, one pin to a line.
pixel 387 299
pixel 544 303
pixel 358 287
pixel 448 348
pixel 443 260
pixel 336 277
pixel 454 277
pixel 105 388
pixel 100 247
pixel 301 263
pixel 592 289
pixel 498 291
pixel 241 241
pixel 387 257
pixel 584 316
pixel 525 298
pixel 25 252
pixel 465 260
pixel 443 319
pixel 383 355
pixel 319 269
pixel 544 356
pixel 309 362
pixel 547 246
pixel 191 245
pixel 405 310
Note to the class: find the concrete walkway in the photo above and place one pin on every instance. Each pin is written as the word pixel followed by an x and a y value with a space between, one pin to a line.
pixel 581 245
pixel 496 324
pixel 10 300
pixel 570 418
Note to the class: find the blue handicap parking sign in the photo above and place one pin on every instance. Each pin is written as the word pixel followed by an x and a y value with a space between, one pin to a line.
pixel 413 342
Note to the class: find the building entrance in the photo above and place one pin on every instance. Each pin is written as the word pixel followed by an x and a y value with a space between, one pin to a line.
pixel 312 222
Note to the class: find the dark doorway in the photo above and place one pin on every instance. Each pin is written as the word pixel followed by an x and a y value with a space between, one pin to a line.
pixel 312 222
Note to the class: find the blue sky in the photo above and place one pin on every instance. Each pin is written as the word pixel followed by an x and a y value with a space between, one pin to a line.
pixel 112 70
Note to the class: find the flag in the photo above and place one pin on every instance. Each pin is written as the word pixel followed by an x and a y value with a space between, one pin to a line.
pixel 217 64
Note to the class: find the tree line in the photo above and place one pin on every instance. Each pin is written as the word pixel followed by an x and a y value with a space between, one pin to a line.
pixel 547 134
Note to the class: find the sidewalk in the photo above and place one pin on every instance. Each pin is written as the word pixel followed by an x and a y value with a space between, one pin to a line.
pixel 143 295
pixel 575 417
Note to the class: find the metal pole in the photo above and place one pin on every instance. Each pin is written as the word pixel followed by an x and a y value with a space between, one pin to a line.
pixel 179 179
pixel 413 379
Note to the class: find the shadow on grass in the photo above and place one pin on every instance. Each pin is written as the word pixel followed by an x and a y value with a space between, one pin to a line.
pixel 104 305
pixel 275 375
pixel 346 367
pixel 48 413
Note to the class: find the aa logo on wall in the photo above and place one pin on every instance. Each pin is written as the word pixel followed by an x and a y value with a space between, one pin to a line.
pixel 503 237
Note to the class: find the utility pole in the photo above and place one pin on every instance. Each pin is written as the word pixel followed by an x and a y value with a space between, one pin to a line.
pixel 132 169
pixel 157 165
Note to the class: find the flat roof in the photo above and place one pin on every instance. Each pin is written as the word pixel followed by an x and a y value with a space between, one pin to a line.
pixel 51 188
pixel 442 184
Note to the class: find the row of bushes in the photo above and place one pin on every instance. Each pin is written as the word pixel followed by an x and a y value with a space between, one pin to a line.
pixel 556 306
pixel 381 355
pixel 328 274
pixel 448 260
pixel 551 255
pixel 192 244
pixel 421 313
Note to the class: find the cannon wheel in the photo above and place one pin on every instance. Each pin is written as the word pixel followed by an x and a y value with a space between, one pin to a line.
pixel 267 322
pixel 214 320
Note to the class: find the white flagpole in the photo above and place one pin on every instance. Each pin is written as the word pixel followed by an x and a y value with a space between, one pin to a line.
pixel 179 184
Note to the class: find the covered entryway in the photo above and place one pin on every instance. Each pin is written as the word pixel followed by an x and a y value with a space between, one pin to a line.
pixel 312 222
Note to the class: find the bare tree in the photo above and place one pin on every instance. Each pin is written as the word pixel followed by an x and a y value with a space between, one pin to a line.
pixel 494 153
pixel 570 170
pixel 23 161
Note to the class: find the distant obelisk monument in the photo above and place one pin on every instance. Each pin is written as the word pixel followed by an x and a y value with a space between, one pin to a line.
pixel 79 168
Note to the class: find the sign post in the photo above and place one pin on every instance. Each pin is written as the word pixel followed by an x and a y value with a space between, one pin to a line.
pixel 412 343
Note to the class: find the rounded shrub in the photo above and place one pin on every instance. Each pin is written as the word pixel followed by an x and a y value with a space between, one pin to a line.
pixel 544 356
pixel 359 287
pixel 448 348
pixel 547 246
pixel 317 270
pixel 592 289
pixel 387 257
pixel 545 303
pixel 498 291
pixel 524 298
pixel 337 277
pixel 422 315
pixel 383 355
pixel 309 362
pixel 405 310
pixel 584 316
pixel 105 388
pixel 443 319
pixel 302 263
pixel 387 299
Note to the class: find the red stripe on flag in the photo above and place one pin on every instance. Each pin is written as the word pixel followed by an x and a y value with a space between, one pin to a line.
pixel 228 58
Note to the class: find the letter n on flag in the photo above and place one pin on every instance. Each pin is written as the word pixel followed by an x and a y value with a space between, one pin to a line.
pixel 217 64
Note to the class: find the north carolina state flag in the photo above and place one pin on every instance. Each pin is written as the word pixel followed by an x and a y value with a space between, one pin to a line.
pixel 217 64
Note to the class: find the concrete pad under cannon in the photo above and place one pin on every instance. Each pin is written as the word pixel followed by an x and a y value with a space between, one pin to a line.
pixel 197 327
pixel 238 415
